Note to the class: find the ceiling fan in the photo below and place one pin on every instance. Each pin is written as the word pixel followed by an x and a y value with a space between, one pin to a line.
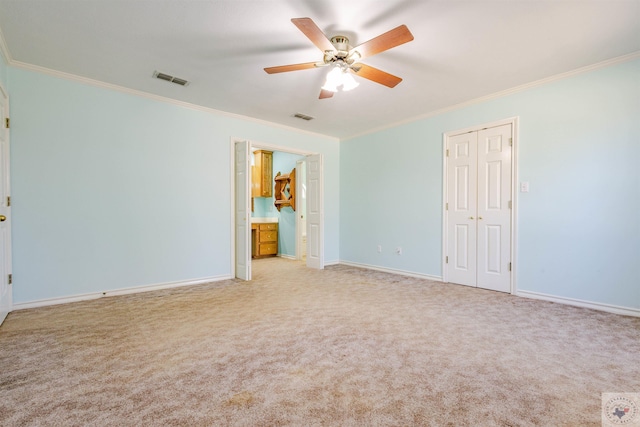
pixel 344 59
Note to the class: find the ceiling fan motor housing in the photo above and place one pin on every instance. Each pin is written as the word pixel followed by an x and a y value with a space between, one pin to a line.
pixel 341 53
pixel 341 43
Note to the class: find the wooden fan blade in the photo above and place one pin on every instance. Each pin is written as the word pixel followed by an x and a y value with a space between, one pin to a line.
pixel 293 67
pixel 376 75
pixel 315 34
pixel 325 94
pixel 393 38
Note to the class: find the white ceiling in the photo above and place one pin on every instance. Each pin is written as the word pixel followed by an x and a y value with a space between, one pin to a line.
pixel 462 50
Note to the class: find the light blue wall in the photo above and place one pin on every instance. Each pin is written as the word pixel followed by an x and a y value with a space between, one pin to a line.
pixel 263 208
pixel 284 163
pixel 579 226
pixel 112 190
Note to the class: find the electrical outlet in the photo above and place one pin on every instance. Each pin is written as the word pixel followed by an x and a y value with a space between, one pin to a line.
pixel 399 250
pixel 379 249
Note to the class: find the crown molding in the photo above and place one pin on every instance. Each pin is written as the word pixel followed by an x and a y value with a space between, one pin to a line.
pixel 143 94
pixel 4 49
pixel 609 62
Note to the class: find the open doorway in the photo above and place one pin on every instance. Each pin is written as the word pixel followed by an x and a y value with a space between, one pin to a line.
pixel 300 231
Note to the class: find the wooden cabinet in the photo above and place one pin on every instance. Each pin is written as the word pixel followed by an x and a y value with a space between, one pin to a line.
pixel 262 174
pixel 264 240
pixel 285 190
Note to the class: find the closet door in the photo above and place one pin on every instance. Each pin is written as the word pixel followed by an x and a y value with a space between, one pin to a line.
pixel 478 211
pixel 462 205
pixel 494 214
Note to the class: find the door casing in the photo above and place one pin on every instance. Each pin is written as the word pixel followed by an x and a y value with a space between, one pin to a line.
pixel 514 194
pixel 257 146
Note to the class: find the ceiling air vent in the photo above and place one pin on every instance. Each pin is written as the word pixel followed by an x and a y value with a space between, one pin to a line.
pixel 172 79
pixel 302 116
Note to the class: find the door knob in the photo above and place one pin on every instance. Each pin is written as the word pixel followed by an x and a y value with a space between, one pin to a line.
pixel 479 217
pixel 3 218
pixel 470 217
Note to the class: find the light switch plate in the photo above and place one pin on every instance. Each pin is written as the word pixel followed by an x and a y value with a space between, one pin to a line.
pixel 524 187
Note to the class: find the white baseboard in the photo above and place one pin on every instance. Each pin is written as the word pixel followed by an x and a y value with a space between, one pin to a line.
pixel 113 292
pixel 285 256
pixel 393 271
pixel 626 311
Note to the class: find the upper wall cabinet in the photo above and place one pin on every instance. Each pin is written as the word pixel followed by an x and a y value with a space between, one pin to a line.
pixel 285 190
pixel 262 174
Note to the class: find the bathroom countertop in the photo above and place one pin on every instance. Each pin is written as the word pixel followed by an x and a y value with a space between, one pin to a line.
pixel 264 220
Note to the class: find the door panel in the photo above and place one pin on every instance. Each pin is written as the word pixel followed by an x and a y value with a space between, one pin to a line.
pixel 462 188
pixel 462 209
pixel 462 251
pixel 493 186
pixel 242 210
pixel 494 214
pixel 492 248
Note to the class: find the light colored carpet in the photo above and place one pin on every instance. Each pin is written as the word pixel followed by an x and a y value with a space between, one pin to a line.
pixel 300 347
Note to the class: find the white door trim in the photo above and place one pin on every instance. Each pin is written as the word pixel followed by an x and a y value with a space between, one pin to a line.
pixel 513 121
pixel 233 226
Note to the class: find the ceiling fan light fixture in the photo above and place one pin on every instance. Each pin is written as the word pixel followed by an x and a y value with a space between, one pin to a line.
pixel 339 77
pixel 348 82
pixel 335 76
pixel 334 79
pixel 330 87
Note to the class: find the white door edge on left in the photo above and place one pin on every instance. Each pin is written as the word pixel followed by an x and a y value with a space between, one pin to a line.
pixel 6 294
pixel 242 209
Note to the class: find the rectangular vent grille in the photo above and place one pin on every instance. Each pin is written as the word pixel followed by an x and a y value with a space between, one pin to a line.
pixel 302 116
pixel 172 79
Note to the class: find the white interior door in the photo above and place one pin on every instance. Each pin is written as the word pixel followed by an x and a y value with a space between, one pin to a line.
pixel 6 295
pixel 494 216
pixel 462 224
pixel 315 214
pixel 242 209
pixel 478 215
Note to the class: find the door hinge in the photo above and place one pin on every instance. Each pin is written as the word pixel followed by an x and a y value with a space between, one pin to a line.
pixel 10 278
pixel 446 260
pixel 509 266
pixel 447 152
pixel 8 201
pixel 7 122
pixel 510 205
pixel 511 141
pixel 446 206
